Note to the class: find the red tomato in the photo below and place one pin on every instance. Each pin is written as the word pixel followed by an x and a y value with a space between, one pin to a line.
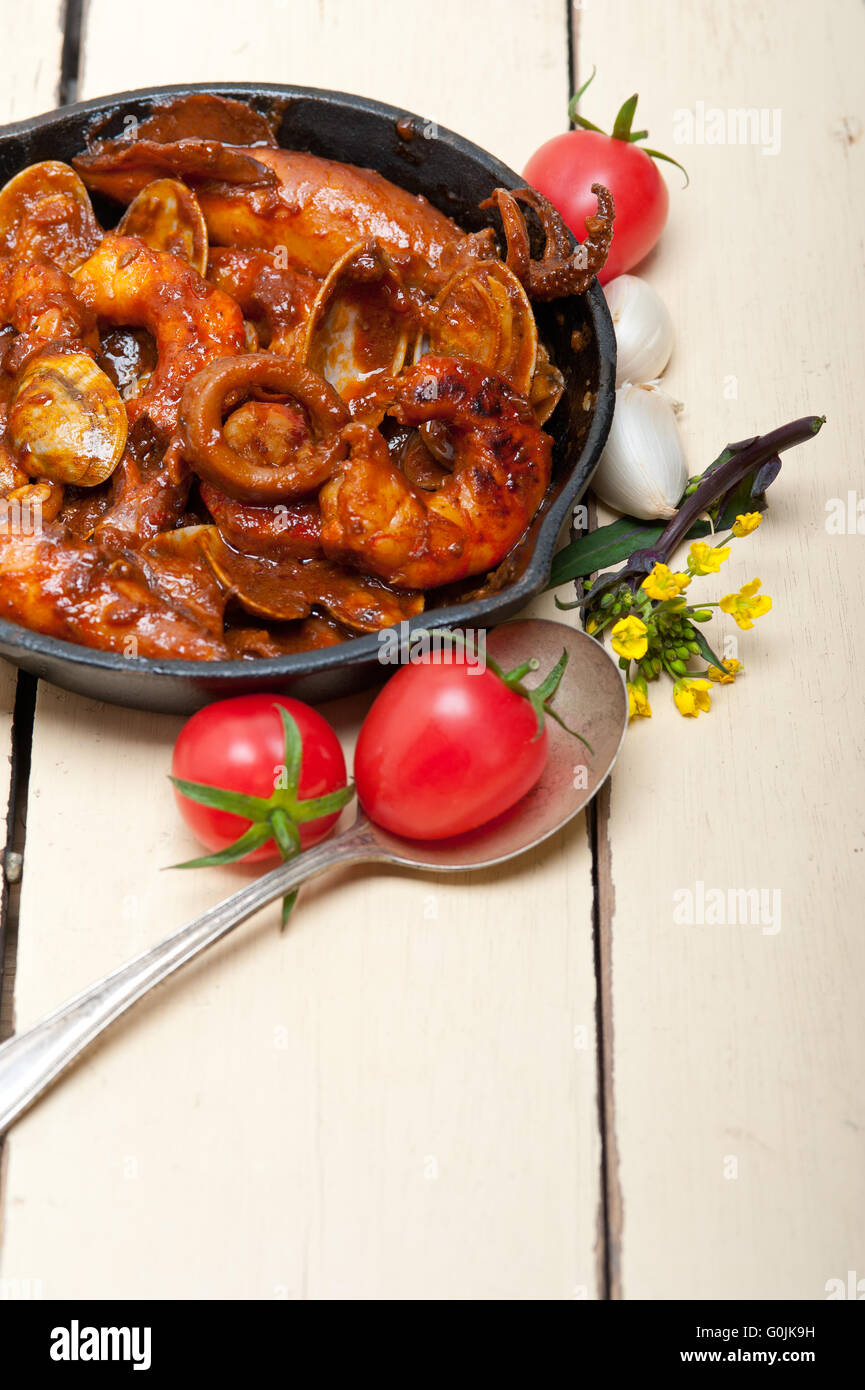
pixel 239 745
pixel 444 749
pixel 564 170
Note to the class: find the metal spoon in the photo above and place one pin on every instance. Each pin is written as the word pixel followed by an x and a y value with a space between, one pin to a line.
pixel 591 698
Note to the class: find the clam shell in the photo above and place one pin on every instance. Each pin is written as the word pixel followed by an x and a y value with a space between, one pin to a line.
pixel 166 216
pixel 353 332
pixel 46 208
pixel 285 589
pixel 484 313
pixel 66 419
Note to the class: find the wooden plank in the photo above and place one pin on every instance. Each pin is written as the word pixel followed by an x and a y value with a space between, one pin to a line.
pixel 459 65
pixel 737 1052
pixel 30 66
pixel 397 1099
pixel 32 44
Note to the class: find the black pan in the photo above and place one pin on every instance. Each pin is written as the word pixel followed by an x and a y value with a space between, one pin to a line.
pixel 455 175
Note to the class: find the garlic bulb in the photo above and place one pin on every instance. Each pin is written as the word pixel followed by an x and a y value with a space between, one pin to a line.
pixel 642 471
pixel 644 329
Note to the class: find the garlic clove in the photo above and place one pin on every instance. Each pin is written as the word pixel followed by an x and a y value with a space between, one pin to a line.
pixel 644 329
pixel 642 470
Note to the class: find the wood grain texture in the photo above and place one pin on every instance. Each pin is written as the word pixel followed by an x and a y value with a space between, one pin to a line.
pixel 424 60
pixel 737 1051
pixel 32 44
pixel 397 1098
pixel 30 66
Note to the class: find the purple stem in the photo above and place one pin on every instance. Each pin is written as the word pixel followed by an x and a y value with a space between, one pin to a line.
pixel 750 454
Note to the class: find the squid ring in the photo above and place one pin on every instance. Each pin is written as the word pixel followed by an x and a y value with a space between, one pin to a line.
pixel 214 459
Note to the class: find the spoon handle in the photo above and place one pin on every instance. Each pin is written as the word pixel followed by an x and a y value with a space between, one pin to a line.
pixel 31 1060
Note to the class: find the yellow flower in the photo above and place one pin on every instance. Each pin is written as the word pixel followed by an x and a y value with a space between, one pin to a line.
pixel 744 606
pixel 662 583
pixel 638 700
pixel 706 559
pixel 692 696
pixel 725 676
pixel 746 523
pixel 592 626
pixel 629 638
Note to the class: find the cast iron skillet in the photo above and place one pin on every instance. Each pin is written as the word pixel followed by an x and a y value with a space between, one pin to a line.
pixel 455 175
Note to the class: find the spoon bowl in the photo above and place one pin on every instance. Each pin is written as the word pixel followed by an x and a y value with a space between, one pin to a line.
pixel 591 698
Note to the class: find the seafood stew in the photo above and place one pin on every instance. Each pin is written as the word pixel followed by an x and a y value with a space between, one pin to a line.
pixel 347 420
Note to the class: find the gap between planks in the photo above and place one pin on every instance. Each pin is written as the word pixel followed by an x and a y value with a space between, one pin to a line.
pixel 610 1215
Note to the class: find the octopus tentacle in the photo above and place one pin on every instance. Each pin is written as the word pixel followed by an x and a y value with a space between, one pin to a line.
pixel 560 269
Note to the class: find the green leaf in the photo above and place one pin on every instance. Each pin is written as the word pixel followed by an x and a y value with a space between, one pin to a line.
pixel 668 159
pixel 597 550
pixel 559 720
pixel 585 87
pixel 293 749
pixel 323 805
pixel 706 650
pixel 586 125
pixel 221 799
pixel 625 119
pixel 253 838
pixel 550 684
pixel 285 833
pixel 287 904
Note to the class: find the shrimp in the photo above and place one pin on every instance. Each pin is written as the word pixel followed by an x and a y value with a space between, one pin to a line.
pixel 284 529
pixel 374 518
pixel 40 300
pixel 126 282
pixel 79 593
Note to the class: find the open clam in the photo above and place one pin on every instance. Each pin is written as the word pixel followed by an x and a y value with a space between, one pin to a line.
pixel 167 217
pixel 547 387
pixel 285 589
pixel 66 419
pixel 46 208
pixel 360 325
pixel 179 568
pixel 484 313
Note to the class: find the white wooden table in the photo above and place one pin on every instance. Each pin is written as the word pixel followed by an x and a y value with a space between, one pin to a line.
pixel 520 1086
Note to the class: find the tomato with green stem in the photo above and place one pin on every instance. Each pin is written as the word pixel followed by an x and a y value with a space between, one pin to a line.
pixel 258 777
pixel 565 167
pixel 447 746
